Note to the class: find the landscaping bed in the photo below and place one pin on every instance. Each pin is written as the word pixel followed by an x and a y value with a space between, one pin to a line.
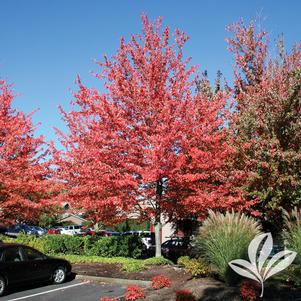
pixel 177 275
pixel 204 289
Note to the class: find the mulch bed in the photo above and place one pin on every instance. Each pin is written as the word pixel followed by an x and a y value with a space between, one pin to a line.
pixel 115 271
pixel 206 289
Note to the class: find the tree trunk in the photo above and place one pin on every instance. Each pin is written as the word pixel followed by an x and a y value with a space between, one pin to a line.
pixel 158 224
pixel 158 227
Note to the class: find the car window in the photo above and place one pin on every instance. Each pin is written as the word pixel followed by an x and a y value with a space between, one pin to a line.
pixel 12 255
pixel 76 227
pixel 32 254
pixel 167 243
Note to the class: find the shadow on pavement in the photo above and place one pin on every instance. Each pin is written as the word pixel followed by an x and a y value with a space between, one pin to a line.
pixel 25 287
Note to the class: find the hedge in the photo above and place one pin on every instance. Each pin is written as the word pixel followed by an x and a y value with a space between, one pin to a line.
pixel 112 246
pixel 128 264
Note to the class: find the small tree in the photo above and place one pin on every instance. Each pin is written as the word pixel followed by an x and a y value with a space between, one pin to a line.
pixel 149 144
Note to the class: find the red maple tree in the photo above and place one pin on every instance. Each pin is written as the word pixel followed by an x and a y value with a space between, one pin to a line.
pixel 267 124
pixel 24 172
pixel 150 143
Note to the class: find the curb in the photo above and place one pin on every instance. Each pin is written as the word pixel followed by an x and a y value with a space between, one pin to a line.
pixel 114 280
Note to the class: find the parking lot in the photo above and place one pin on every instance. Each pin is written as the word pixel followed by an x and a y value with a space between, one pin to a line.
pixel 74 290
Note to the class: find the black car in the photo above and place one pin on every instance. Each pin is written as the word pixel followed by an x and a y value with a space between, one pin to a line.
pixel 21 264
pixel 174 248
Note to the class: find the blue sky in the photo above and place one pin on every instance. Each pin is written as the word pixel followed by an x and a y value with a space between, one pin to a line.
pixel 45 44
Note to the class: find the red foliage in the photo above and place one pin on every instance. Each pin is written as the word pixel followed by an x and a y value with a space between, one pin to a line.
pixel 266 126
pixel 150 143
pixel 24 174
pixel 247 291
pixel 134 292
pixel 160 281
pixel 108 299
pixel 184 295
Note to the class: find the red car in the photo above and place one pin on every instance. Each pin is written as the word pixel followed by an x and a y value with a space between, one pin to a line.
pixel 92 232
pixel 53 231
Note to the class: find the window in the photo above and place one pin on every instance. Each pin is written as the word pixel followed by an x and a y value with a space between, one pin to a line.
pixel 32 254
pixel 168 244
pixel 12 254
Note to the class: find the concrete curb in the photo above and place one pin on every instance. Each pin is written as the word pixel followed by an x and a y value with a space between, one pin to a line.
pixel 121 281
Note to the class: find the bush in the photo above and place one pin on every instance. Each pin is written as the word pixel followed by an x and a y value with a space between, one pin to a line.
pixel 133 266
pixel 126 246
pixel 197 267
pixel 185 295
pixel 292 232
pixel 112 246
pixel 129 246
pixel 223 238
pixel 157 261
pixel 74 245
pixel 105 247
pixel 291 275
pixel 6 239
pixel 160 281
pixel 247 291
pixel 183 260
pixel 54 244
pixel 134 292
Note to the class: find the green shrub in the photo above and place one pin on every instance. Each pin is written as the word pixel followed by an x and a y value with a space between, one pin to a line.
pixel 112 246
pixel 292 232
pixel 132 246
pixel 28 240
pixel 223 238
pixel 88 242
pixel 6 239
pixel 157 261
pixel 104 247
pixel 54 244
pixel 197 267
pixel 134 266
pixel 74 245
pixel 183 260
pixel 31 241
pixel 128 264
pixel 290 275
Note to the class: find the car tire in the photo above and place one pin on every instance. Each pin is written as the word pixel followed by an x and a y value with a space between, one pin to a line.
pixel 2 286
pixel 59 275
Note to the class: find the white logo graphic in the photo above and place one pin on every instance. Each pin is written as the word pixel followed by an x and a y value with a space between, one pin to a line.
pixel 260 268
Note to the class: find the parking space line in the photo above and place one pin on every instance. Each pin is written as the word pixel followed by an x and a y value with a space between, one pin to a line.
pixel 50 291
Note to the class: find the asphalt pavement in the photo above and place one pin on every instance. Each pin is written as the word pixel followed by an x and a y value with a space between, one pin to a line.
pixel 75 290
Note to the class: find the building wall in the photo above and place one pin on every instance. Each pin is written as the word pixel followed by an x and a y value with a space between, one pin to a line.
pixel 167 231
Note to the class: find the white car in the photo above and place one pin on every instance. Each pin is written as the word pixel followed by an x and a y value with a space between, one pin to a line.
pixel 72 230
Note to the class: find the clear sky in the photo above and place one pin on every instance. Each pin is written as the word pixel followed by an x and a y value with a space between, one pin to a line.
pixel 45 44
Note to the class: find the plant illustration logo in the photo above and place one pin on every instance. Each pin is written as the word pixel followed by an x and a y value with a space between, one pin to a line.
pixel 261 265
